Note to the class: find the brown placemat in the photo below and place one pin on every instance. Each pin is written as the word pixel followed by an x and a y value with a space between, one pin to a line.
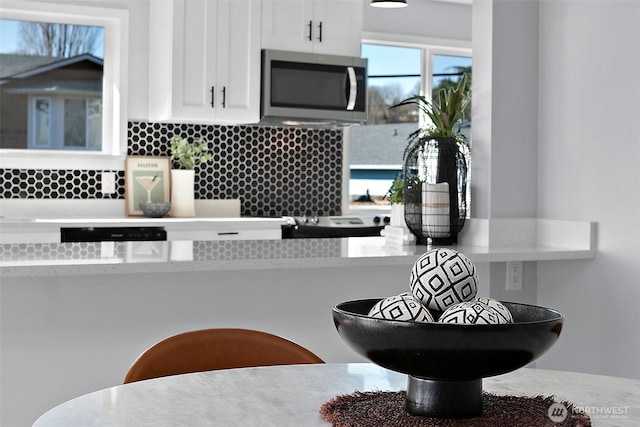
pixel 386 409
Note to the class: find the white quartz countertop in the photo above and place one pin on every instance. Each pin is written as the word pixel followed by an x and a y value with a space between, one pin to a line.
pixel 59 259
pixel 481 241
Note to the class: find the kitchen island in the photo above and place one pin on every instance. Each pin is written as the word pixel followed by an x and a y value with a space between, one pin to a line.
pixel 74 316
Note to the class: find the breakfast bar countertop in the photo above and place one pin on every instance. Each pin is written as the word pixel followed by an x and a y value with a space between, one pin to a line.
pixel 63 259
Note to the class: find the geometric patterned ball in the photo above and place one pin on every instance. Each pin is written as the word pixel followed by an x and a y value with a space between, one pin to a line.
pixel 443 277
pixel 471 313
pixel 503 311
pixel 401 307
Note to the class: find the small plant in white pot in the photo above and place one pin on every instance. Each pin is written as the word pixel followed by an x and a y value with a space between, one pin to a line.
pixel 395 196
pixel 188 154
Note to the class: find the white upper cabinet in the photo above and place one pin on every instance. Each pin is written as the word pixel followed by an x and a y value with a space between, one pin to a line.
pixel 204 61
pixel 319 26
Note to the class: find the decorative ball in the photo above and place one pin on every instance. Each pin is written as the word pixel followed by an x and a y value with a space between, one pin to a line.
pixel 503 311
pixel 443 277
pixel 471 313
pixel 401 307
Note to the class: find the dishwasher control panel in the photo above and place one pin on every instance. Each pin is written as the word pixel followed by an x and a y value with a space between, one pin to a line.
pixel 113 234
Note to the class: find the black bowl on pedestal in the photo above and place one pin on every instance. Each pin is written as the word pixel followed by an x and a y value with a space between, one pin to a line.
pixel 446 362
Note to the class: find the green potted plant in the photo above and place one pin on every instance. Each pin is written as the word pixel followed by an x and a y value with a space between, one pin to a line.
pixel 444 113
pixel 437 154
pixel 188 154
pixel 395 195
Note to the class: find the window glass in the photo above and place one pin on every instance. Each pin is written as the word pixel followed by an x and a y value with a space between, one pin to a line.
pixel 447 71
pixel 393 75
pixel 376 149
pixel 75 130
pixel 63 61
pixel 94 124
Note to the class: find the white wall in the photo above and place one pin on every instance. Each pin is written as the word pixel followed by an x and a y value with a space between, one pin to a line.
pixel 589 149
pixel 505 125
pixel 422 18
pixel 555 136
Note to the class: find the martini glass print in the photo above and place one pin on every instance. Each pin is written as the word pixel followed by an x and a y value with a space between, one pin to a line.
pixel 148 182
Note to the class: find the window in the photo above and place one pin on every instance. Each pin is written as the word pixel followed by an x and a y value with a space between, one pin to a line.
pixel 63 61
pixel 72 102
pixel 376 149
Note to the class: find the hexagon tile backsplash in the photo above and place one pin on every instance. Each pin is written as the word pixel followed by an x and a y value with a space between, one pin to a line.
pixel 273 171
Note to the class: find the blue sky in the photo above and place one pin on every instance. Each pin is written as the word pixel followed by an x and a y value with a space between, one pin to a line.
pixel 386 60
pixel 8 36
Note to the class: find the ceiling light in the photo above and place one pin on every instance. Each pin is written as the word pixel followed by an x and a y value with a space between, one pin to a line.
pixel 389 3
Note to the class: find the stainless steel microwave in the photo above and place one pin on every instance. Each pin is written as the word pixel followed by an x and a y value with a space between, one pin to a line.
pixel 307 88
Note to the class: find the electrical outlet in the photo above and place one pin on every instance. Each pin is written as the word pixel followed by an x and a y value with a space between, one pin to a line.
pixel 108 182
pixel 514 276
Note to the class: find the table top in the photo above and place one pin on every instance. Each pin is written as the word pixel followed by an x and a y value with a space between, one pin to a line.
pixel 292 395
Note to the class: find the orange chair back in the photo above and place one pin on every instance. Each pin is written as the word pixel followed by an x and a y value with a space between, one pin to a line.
pixel 212 349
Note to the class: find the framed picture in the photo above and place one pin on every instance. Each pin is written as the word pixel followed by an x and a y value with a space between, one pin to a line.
pixel 146 179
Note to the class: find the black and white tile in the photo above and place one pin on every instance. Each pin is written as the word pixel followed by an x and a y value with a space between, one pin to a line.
pixel 273 171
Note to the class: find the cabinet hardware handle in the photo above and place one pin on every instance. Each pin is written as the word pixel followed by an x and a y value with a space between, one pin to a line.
pixel 213 94
pixel 310 30
pixel 224 97
pixel 320 36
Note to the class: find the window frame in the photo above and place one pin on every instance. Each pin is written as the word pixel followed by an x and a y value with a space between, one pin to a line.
pixel 429 47
pixel 114 93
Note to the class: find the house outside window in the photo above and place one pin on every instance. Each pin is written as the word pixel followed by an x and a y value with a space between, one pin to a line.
pixel 60 123
pixel 41 113
pixel 376 149
pixel 51 87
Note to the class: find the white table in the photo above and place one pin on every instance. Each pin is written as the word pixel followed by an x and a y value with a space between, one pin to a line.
pixel 291 396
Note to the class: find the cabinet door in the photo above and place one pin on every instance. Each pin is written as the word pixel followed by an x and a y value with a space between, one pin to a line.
pixel 194 59
pixel 341 22
pixel 287 25
pixel 238 69
pixel 323 26
pixel 204 61
pixel 181 60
